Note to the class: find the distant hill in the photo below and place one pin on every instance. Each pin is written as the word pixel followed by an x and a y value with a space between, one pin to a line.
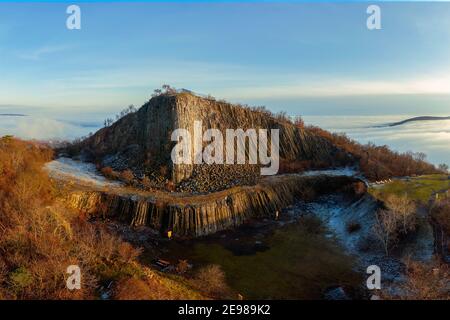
pixel 12 115
pixel 422 118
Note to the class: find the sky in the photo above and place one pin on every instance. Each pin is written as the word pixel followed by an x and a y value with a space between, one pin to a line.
pixel 312 59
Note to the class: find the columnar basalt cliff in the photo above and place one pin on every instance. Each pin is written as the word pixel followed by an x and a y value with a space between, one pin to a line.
pixel 198 215
pixel 142 140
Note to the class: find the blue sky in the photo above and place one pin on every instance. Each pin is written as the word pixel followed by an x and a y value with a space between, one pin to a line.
pixel 303 58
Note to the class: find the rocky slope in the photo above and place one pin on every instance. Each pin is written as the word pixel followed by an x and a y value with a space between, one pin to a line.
pixel 142 140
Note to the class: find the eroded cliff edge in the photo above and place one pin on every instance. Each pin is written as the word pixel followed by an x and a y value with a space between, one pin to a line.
pixel 211 197
pixel 198 215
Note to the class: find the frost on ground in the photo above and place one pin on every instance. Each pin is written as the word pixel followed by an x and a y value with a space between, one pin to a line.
pixel 338 214
pixel 78 171
pixel 346 171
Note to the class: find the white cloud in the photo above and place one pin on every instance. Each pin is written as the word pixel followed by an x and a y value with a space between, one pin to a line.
pixel 39 53
pixel 326 87
pixel 430 137
pixel 41 128
pixel 116 84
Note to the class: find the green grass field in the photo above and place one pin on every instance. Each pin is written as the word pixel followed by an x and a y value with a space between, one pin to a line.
pixel 420 188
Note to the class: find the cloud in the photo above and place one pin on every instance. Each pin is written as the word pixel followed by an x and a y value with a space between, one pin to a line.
pixel 41 128
pixel 430 137
pixel 39 53
pixel 113 83
pixel 328 87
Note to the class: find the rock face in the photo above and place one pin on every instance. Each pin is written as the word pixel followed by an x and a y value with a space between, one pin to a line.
pixel 142 140
pixel 200 215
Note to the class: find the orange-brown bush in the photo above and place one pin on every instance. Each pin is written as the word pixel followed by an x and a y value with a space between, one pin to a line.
pixel 127 176
pixel 108 172
pixel 294 166
pixel 182 266
pixel 211 279
pixel 298 122
pixel 170 186
pixel 153 286
pixel 377 162
pixel 40 238
pixel 132 289
pixel 425 281
pixel 146 182
pixel 359 188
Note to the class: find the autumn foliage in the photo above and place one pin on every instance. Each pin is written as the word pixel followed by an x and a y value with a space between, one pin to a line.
pixel 40 237
pixel 377 162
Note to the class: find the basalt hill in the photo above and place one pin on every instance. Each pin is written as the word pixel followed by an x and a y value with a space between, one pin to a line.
pixel 141 141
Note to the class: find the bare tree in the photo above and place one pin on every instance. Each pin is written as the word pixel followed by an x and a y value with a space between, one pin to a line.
pixel 156 92
pixel 385 228
pixel 443 167
pixel 404 209
pixel 298 121
pixel 108 122
pixel 168 89
pixel 419 156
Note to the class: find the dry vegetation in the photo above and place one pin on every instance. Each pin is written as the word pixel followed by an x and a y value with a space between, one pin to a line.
pixel 375 162
pixel 440 212
pixel 379 162
pixel 211 279
pixel 424 281
pixel 396 221
pixel 40 238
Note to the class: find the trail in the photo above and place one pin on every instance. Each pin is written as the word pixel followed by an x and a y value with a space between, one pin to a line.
pixel 81 172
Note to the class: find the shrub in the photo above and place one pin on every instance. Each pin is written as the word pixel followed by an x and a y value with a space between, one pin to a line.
pixel 440 212
pixel 40 237
pixel 170 186
pixel 376 162
pixel 211 279
pixel 443 167
pixel 146 182
pixel 20 279
pixel 127 253
pixel 107 172
pixel 425 281
pixel 405 211
pixel 182 266
pixel 127 176
pixel 359 188
pixel 299 123
pixel 385 228
pixel 132 289
pixel 294 166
